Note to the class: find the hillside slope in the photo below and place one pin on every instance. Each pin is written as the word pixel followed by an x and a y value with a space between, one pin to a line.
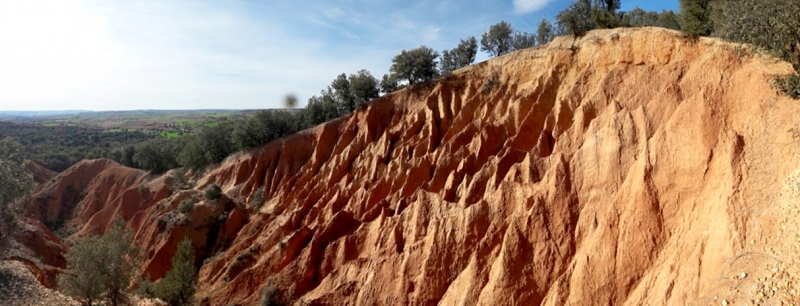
pixel 629 166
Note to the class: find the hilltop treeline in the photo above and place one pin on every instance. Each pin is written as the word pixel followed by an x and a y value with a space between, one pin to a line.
pixel 213 144
pixel 348 92
pixel 770 24
pixel 62 146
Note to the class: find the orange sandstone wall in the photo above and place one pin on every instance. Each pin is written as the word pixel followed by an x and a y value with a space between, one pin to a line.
pixel 628 166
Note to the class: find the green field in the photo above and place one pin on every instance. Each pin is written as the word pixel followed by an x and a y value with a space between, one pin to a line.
pixel 166 123
pixel 171 134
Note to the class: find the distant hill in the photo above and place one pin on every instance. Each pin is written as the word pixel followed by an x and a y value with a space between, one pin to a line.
pixel 11 114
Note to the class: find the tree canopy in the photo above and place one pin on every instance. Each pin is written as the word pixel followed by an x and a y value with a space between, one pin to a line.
pixel 15 182
pixel 544 33
pixel 770 24
pixel 696 17
pixel 101 267
pixel 498 39
pixel 576 19
pixel 415 65
pixel 178 286
pixel 641 18
pixel 461 56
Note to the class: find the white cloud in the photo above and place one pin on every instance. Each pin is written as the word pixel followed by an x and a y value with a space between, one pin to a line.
pixel 120 54
pixel 528 6
pixel 86 54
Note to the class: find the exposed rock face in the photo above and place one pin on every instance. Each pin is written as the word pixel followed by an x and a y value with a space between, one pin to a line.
pixel 628 166
pixel 40 172
pixel 85 199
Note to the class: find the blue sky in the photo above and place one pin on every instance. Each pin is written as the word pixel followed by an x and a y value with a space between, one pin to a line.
pixel 149 54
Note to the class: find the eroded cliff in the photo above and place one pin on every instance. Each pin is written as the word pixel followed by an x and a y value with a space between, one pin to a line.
pixel 628 166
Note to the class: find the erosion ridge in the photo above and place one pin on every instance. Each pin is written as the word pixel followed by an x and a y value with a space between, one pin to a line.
pixel 627 166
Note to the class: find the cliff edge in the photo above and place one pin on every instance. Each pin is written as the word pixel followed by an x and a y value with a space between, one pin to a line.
pixel 625 167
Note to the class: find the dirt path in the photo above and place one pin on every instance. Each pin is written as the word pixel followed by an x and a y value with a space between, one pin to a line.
pixel 18 287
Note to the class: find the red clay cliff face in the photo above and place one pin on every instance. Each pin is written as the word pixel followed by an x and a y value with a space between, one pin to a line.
pixel 628 166
pixel 85 199
pixel 40 172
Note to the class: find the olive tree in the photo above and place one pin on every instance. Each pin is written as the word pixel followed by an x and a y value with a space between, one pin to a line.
pixel 605 14
pixel 498 40
pixel 85 270
pixel 523 40
pixel 100 267
pixel 576 19
pixel 544 33
pixel 641 18
pixel 415 65
pixel 388 83
pixel 773 25
pixel 461 56
pixel 363 88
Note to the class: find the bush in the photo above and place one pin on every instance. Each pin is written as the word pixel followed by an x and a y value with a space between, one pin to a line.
pixel 769 24
pixel 213 192
pixel 146 288
pixel 179 181
pixel 258 199
pixel 576 19
pixel 270 295
pixel 185 206
pixel 498 40
pixel 86 269
pixel 15 182
pixel 100 266
pixel 415 65
pixel 388 84
pixel 461 56
pixel 788 84
pixel 192 156
pixel 178 285
pixel 492 81
pixel 696 17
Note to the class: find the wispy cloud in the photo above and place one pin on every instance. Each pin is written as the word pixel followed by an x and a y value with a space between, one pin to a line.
pixel 529 6
pixel 178 54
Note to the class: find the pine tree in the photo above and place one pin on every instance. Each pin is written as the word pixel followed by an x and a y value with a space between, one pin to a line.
pixel 695 15
pixel 178 286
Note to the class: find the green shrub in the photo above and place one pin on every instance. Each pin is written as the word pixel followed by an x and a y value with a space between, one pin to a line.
pixel 788 84
pixel 15 182
pixel 185 206
pixel 769 24
pixel 213 192
pixel 270 295
pixel 178 286
pixel 101 267
pixel 179 181
pixel 146 288
pixel 696 18
pixel 258 199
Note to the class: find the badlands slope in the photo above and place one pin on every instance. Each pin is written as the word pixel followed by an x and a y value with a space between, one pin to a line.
pixel 625 167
